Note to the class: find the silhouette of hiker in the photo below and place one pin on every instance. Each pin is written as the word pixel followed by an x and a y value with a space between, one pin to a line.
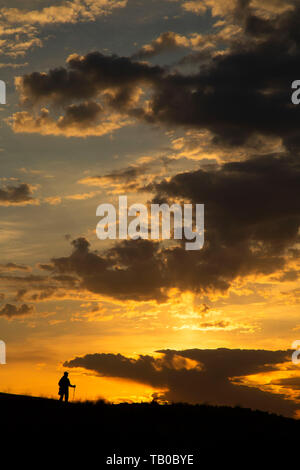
pixel 64 385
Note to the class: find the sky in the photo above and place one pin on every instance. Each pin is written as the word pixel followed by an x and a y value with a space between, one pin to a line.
pixel 162 101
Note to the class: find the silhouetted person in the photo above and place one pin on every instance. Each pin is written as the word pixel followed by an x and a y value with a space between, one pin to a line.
pixel 64 385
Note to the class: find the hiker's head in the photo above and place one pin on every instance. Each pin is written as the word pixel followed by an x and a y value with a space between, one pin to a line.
pixel 66 374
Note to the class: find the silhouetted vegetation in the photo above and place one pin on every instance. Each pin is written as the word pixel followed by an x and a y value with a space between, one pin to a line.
pixel 101 428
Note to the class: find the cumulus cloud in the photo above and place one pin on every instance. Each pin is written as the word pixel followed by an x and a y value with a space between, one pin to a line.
pixel 127 271
pixel 241 204
pixel 213 376
pixel 109 87
pixel 239 99
pixel 236 96
pixel 85 77
pixel 20 194
pixel 249 231
pixel 10 310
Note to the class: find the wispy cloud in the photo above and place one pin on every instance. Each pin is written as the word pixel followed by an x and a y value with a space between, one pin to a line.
pixel 20 28
pixel 71 11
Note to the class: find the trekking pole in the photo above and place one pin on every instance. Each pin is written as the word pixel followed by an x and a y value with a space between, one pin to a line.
pixel 73 393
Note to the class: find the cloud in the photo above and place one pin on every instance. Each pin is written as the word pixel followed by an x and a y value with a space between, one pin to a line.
pixel 124 175
pixel 78 121
pixel 113 81
pixel 238 95
pixel 131 178
pixel 203 44
pixel 200 145
pixel 166 42
pixel 14 267
pixel 249 231
pixel 252 209
pixel 249 226
pixel 21 28
pixel 17 195
pixel 85 77
pixel 10 310
pixel 198 375
pixel 291 382
pixel 215 326
pixel 71 11
pixel 230 7
pixel 53 200
pixel 16 41
pixel 127 271
pixel 20 48
pixel 12 65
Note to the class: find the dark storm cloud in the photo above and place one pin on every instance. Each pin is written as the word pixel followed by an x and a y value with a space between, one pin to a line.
pixel 142 270
pixel 10 310
pixel 252 201
pixel 240 93
pixel 251 208
pixel 85 77
pixel 83 114
pixel 14 195
pixel 127 271
pixel 207 379
pixel 252 217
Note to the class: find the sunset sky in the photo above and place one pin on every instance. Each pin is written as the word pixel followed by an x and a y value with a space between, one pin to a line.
pixel 165 101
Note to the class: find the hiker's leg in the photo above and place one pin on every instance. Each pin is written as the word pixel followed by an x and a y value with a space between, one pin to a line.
pixel 67 396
